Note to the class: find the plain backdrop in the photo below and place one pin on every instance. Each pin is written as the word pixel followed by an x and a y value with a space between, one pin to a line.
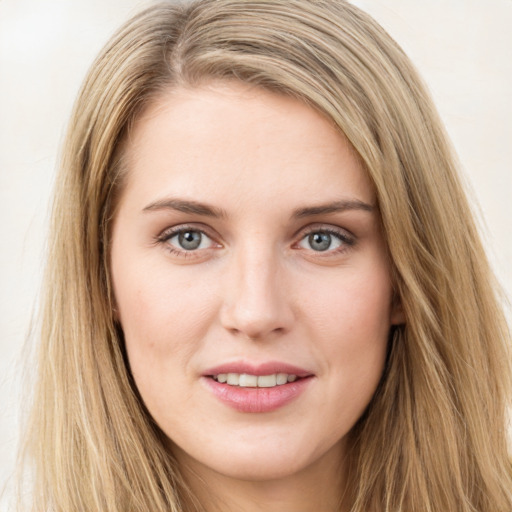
pixel 461 47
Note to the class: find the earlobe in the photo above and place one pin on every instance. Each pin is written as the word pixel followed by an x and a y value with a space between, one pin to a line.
pixel 114 313
pixel 397 312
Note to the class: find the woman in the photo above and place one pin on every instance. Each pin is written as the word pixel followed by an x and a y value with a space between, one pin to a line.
pixel 265 288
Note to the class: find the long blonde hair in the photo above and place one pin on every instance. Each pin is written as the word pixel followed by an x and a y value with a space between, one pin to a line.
pixel 434 436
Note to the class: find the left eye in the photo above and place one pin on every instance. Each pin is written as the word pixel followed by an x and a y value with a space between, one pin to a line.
pixel 190 240
pixel 321 241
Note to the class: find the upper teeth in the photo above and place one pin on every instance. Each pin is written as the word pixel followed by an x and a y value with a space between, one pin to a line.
pixel 246 380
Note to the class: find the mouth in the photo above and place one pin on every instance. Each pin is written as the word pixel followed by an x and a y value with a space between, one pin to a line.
pixel 257 389
pixel 247 380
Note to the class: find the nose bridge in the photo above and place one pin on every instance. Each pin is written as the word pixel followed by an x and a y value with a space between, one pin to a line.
pixel 255 302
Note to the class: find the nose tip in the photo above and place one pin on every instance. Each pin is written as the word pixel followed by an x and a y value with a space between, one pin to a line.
pixel 251 323
pixel 256 305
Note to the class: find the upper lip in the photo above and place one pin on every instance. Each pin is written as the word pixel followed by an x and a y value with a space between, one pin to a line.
pixel 266 368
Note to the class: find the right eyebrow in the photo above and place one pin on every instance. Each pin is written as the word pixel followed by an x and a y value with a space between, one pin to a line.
pixel 186 206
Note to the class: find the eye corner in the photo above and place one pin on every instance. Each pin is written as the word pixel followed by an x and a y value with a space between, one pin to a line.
pixel 329 240
pixel 187 241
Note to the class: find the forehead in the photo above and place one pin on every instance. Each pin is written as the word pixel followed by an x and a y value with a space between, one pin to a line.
pixel 227 140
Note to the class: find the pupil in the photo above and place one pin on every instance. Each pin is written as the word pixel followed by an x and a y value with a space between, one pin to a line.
pixel 190 240
pixel 320 241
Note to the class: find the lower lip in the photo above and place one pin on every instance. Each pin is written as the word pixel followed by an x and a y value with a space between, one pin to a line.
pixel 257 400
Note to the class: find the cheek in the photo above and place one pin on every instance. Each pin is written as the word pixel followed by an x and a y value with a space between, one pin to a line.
pixel 162 332
pixel 163 316
pixel 355 305
pixel 352 323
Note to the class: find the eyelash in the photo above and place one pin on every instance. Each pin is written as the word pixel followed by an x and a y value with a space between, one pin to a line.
pixel 347 241
pixel 168 234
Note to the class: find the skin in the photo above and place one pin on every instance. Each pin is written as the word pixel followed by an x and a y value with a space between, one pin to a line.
pixel 256 289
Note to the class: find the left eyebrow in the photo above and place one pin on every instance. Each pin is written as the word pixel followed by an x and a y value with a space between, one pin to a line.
pixel 334 207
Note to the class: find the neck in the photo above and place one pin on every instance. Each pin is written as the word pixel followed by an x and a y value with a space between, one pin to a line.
pixel 317 487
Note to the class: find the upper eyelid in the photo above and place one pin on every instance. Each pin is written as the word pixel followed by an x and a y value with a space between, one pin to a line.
pixel 169 232
pixel 347 239
pixel 330 228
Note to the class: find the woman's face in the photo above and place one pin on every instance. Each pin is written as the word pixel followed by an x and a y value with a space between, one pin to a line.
pixel 247 248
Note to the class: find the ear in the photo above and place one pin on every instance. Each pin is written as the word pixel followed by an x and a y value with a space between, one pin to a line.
pixel 113 310
pixel 397 311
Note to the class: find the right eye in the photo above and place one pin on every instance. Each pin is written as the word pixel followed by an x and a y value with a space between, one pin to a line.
pixel 186 241
pixel 190 240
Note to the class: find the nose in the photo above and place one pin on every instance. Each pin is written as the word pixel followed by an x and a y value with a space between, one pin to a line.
pixel 257 303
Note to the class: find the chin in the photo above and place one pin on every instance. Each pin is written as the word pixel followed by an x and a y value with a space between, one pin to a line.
pixel 259 462
pixel 255 470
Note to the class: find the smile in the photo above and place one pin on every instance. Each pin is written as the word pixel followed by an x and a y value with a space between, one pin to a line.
pixel 246 380
pixel 260 388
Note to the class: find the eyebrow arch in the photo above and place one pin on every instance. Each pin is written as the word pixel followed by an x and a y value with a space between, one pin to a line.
pixel 334 207
pixel 186 206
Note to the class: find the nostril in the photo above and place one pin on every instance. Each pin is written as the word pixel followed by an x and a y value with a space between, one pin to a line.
pixel 256 304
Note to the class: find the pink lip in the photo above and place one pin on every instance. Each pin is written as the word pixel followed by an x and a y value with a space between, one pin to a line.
pixel 257 400
pixel 267 368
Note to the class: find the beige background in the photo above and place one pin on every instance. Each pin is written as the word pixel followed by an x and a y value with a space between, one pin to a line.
pixel 463 49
